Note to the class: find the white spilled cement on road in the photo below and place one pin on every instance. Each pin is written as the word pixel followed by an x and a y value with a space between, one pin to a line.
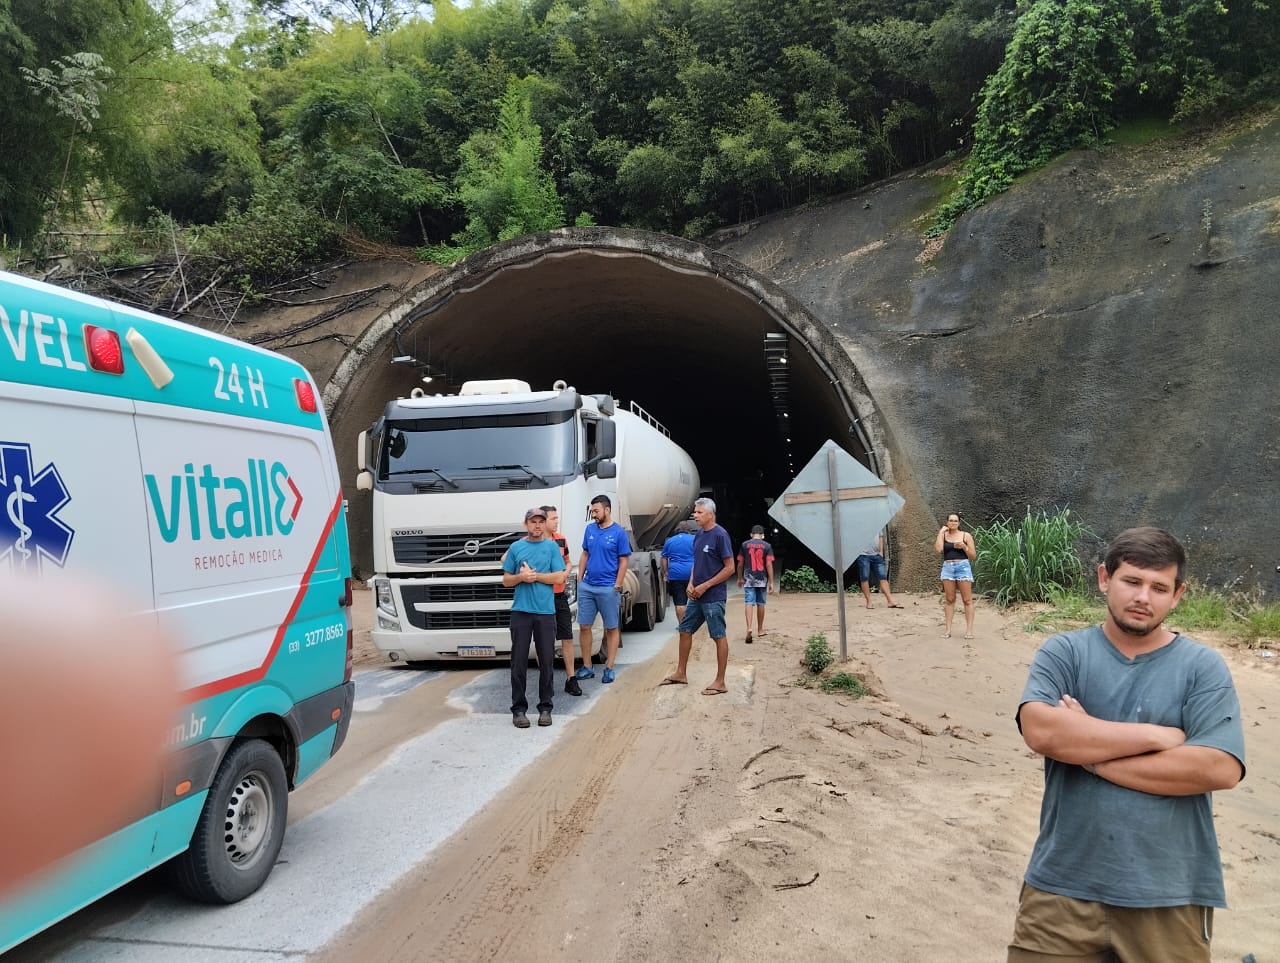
pixel 340 858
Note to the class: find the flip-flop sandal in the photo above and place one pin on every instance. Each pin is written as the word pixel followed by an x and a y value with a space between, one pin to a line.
pixel 674 682
pixel 710 691
pixel 897 606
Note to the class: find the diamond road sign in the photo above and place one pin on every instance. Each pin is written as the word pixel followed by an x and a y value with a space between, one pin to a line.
pixel 865 505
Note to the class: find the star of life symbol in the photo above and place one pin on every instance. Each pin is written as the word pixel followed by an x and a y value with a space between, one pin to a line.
pixel 30 532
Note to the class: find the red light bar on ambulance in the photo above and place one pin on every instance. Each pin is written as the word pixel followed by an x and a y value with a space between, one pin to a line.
pixel 102 349
pixel 306 395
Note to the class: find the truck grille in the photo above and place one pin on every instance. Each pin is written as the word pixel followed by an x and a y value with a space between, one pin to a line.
pixel 446 592
pixel 428 549
pixel 459 620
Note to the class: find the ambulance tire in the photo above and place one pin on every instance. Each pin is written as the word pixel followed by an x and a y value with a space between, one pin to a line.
pixel 241 827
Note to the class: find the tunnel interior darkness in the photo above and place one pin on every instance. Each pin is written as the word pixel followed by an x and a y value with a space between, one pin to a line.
pixel 687 345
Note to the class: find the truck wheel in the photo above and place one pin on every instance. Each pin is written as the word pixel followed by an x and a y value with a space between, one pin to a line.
pixel 241 827
pixel 642 617
pixel 660 598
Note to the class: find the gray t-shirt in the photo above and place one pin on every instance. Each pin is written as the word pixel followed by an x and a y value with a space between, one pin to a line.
pixel 1104 843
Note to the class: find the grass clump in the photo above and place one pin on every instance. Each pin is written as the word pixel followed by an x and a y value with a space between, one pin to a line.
pixel 1029 560
pixel 804 579
pixel 817 653
pixel 1242 618
pixel 847 683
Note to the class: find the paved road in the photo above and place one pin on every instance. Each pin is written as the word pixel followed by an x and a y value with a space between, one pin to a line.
pixel 341 854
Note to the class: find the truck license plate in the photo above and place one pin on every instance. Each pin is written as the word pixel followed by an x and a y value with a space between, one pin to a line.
pixel 476 651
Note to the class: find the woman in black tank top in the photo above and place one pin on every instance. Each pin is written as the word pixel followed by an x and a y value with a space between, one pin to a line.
pixel 958 552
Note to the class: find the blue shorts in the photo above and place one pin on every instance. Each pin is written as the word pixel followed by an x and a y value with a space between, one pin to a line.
pixel 602 599
pixel 957 570
pixel 754 594
pixel 866 564
pixel 677 591
pixel 698 612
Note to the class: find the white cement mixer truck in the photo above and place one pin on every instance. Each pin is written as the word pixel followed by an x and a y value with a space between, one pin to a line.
pixel 452 476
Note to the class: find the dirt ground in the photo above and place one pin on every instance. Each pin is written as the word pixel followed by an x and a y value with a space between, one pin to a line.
pixel 781 822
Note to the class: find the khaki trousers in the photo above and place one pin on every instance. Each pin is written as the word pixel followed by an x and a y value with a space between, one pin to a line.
pixel 1059 928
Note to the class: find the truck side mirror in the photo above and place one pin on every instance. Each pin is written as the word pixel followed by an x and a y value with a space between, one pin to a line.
pixel 607 469
pixel 608 447
pixel 362 451
pixel 364 481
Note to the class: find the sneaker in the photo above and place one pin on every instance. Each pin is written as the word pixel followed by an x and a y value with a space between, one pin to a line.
pixel 585 673
pixel 520 720
pixel 544 718
pixel 608 675
pixel 571 686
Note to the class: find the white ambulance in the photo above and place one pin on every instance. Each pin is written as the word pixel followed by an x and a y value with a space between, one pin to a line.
pixel 195 476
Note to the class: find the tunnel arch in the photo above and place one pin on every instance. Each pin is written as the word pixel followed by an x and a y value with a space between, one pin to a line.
pixel 671 324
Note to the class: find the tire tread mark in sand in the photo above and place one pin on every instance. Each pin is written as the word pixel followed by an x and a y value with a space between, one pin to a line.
pixel 489 889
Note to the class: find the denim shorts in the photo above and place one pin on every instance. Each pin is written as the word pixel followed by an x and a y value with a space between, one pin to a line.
pixel 866 564
pixel 602 599
pixel 754 594
pixel 698 612
pixel 957 570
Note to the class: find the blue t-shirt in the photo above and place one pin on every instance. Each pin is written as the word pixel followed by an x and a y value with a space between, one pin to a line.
pixel 1101 842
pixel 604 547
pixel 710 549
pixel 678 551
pixel 543 556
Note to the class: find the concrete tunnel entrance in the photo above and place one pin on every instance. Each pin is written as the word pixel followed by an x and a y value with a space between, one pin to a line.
pixel 745 379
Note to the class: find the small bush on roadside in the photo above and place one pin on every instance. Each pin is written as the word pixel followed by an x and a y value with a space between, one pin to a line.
pixel 804 579
pixel 1029 560
pixel 847 683
pixel 817 653
pixel 268 240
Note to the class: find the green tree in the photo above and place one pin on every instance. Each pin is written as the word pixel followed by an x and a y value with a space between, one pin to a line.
pixel 1053 92
pixel 501 182
pixel 74 90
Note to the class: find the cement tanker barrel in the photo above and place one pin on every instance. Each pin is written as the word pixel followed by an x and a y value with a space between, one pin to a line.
pixel 657 480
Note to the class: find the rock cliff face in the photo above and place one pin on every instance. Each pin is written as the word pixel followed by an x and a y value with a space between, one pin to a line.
pixel 1103 337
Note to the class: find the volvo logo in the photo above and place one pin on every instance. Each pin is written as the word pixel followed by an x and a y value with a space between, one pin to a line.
pixel 472 546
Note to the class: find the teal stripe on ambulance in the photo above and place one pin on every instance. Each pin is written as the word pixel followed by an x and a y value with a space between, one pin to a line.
pixel 42 342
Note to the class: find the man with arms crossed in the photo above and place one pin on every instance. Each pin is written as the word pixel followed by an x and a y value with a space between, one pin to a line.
pixel 564 617
pixel 602 567
pixel 1138 726
pixel 532 566
pixel 712 567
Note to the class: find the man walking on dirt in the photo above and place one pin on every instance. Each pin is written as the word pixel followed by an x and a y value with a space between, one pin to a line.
pixel 564 617
pixel 532 566
pixel 755 578
pixel 602 568
pixel 1138 725
pixel 712 568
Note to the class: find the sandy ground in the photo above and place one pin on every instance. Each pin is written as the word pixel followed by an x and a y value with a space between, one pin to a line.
pixel 781 822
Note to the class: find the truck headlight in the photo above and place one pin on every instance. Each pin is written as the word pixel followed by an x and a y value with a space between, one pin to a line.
pixel 388 625
pixel 386 598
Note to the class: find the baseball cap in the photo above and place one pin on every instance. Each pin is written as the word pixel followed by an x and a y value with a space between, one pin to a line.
pixel 535 513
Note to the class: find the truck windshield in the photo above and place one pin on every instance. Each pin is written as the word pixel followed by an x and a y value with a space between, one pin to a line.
pixel 537 445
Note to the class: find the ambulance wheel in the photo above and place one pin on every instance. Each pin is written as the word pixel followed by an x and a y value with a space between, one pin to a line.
pixel 241 827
